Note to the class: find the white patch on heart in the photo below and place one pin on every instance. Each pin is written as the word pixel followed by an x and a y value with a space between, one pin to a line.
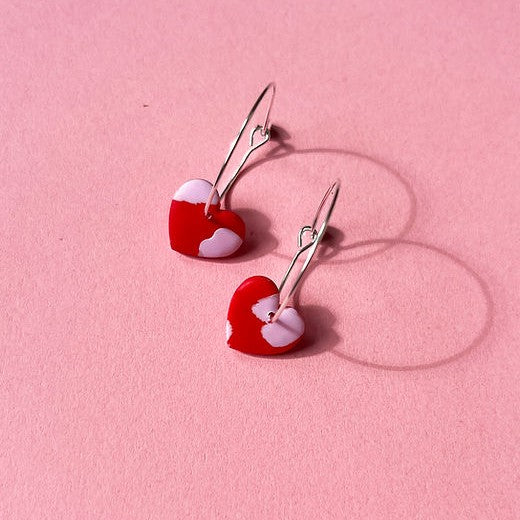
pixel 263 307
pixel 224 242
pixel 286 329
pixel 196 191
pixel 229 330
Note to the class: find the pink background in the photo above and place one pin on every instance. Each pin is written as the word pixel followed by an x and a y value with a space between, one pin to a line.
pixel 118 396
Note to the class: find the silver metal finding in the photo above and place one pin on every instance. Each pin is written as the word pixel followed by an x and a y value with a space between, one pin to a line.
pixel 265 134
pixel 316 234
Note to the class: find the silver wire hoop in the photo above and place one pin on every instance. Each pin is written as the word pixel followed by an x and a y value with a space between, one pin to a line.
pixel 316 235
pixel 265 133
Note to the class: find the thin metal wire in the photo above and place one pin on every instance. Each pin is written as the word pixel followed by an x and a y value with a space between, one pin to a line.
pixel 264 133
pixel 311 246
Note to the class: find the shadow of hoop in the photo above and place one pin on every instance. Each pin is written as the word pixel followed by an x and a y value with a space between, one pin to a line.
pixel 283 150
pixel 331 339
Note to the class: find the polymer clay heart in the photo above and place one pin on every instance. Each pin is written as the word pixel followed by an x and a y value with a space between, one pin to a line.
pixel 248 326
pixel 218 234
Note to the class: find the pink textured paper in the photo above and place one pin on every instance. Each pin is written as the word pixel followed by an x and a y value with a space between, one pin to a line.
pixel 118 396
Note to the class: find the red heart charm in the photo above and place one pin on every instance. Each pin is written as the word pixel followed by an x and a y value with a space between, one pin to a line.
pixel 218 234
pixel 248 326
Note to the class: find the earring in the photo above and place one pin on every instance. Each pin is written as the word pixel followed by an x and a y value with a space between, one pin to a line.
pixel 257 323
pixel 198 226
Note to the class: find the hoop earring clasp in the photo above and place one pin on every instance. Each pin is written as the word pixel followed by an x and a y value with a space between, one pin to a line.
pixel 316 235
pixel 265 134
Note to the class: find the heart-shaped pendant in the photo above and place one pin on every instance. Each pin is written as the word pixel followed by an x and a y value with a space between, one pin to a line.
pixel 219 233
pixel 249 327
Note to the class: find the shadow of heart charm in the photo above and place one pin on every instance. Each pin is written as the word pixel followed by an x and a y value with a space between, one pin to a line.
pixel 218 234
pixel 248 326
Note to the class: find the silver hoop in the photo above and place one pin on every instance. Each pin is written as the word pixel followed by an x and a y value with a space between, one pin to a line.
pixel 265 133
pixel 311 246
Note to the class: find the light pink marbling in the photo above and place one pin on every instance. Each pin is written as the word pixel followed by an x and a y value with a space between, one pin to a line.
pixel 118 396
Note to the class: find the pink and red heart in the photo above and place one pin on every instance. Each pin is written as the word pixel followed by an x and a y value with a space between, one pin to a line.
pixel 218 234
pixel 249 327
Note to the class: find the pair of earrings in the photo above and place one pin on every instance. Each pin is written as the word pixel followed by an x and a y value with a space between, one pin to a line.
pixel 259 320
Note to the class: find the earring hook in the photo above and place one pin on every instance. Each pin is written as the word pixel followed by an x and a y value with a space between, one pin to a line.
pixel 265 133
pixel 316 237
